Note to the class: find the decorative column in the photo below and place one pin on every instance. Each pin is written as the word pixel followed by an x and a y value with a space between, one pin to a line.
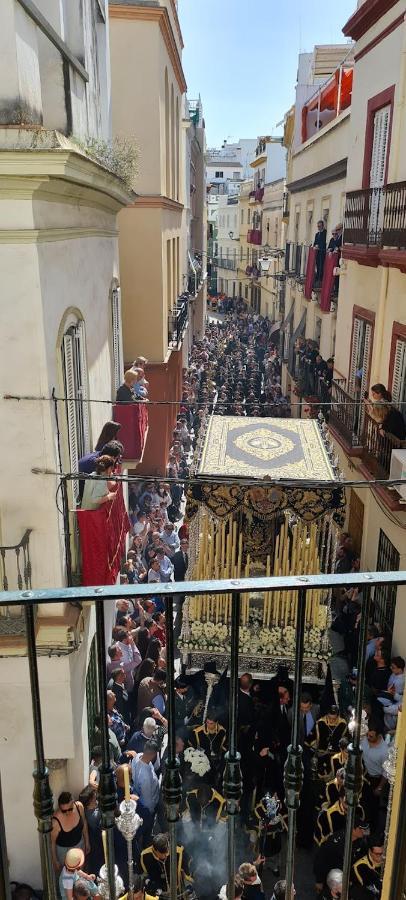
pixel 353 769
pixel 107 787
pixel 172 782
pixel 293 775
pixel 232 773
pixel 43 799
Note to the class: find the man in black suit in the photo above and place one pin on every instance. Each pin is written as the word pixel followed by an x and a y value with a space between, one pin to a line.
pixel 320 241
pixel 180 562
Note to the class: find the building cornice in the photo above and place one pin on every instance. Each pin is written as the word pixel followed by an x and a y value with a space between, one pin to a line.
pixel 28 170
pixel 160 15
pixel 380 37
pixel 366 16
pixel 258 161
pixel 49 235
pixel 334 172
pixel 157 201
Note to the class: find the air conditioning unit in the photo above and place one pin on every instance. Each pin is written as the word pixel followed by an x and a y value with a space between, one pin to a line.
pixel 398 470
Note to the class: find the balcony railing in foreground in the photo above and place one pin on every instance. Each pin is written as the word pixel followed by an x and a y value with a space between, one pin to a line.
pixel 15 572
pixel 346 415
pixel 172 786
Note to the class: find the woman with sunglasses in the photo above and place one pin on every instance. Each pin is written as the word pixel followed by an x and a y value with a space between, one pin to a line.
pixel 69 829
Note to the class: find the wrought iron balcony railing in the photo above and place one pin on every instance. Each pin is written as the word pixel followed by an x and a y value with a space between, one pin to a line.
pixel 172 784
pixel 177 322
pixel 346 415
pixel 376 216
pixel 15 573
pixel 377 448
pixel 224 262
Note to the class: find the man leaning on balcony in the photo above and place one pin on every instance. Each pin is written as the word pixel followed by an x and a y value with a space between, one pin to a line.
pixel 320 241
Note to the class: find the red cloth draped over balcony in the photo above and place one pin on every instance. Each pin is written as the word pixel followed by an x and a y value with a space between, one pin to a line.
pixel 310 273
pixel 102 540
pixel 133 418
pixel 327 284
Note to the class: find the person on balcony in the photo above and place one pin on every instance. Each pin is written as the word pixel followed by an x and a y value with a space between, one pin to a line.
pixel 87 463
pixel 98 491
pixel 320 242
pixel 108 433
pixel 336 240
pixel 125 393
pixel 390 420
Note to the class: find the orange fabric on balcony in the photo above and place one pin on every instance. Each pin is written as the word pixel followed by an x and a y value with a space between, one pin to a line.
pixel 310 273
pixel 102 540
pixel 332 97
pixel 133 418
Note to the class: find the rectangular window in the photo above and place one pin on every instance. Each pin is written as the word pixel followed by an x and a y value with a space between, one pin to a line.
pixel 248 216
pixel 242 217
pixel 219 175
pixel 388 560
pixel 360 356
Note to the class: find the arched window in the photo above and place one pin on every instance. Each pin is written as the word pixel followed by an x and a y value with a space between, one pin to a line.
pixel 75 380
pixel 117 336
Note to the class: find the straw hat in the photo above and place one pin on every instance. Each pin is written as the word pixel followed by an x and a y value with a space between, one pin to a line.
pixel 74 858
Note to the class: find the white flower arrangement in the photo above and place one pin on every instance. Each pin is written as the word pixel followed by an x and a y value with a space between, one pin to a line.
pixel 255 639
pixel 198 761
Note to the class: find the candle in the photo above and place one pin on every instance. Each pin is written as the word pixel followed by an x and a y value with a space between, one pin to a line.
pixel 126 784
pixel 104 840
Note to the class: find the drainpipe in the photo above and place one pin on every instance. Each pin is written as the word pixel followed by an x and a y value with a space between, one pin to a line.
pixel 398 118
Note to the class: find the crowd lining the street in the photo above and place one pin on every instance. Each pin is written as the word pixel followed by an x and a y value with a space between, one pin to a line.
pixel 234 369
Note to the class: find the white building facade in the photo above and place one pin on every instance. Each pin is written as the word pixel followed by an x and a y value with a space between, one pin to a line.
pixel 60 336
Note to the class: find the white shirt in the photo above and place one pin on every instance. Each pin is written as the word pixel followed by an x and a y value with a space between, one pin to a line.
pixel 374 756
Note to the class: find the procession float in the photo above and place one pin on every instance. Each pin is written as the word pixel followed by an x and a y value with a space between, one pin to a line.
pixel 244 528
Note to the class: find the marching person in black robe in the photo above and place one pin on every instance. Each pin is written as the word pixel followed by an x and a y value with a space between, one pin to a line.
pixel 154 862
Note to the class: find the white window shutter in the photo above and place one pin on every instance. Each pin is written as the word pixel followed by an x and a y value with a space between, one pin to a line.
pixel 398 388
pixel 366 357
pixel 82 386
pixel 377 172
pixel 117 337
pixel 70 391
pixel 379 146
pixel 356 333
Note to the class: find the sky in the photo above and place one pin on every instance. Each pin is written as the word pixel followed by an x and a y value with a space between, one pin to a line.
pixel 241 57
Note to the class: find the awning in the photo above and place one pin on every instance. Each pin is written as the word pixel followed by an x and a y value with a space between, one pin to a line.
pixel 334 96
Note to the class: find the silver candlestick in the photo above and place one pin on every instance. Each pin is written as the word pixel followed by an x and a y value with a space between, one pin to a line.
pixel 103 884
pixel 389 768
pixel 128 823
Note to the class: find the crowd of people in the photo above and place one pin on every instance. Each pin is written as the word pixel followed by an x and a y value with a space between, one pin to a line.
pixel 236 365
pixel 233 370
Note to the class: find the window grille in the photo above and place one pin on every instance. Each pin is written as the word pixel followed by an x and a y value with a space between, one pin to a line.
pixel 388 560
